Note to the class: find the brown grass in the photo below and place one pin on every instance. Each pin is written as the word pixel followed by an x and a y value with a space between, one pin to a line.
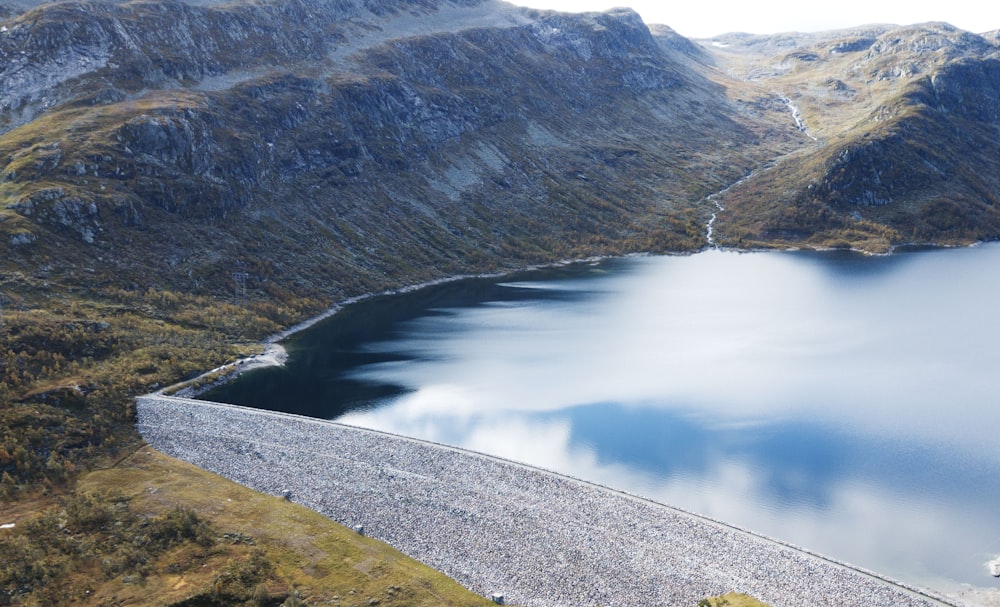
pixel 307 554
pixel 731 599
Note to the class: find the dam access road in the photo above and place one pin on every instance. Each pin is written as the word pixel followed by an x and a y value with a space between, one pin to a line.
pixel 538 538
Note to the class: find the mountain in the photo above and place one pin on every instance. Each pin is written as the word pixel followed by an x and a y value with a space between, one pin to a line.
pixel 412 140
pixel 179 179
pixel 905 125
pixel 398 140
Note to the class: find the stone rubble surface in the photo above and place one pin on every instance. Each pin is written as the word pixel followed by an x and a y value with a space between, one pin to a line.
pixel 495 526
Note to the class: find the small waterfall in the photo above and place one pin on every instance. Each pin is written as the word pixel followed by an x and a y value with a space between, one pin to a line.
pixel 796 115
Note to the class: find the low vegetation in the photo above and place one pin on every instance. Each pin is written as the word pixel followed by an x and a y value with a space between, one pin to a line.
pixel 130 199
pixel 70 366
pixel 152 530
pixel 732 599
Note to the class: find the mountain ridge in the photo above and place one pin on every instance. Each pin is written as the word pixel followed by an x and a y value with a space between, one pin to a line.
pixel 865 182
pixel 179 180
pixel 180 149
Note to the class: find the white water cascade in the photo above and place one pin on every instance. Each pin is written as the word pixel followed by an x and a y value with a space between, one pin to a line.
pixel 796 115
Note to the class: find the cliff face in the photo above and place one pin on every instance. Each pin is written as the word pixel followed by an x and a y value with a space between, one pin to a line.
pixel 930 142
pixel 941 144
pixel 398 139
pixel 405 140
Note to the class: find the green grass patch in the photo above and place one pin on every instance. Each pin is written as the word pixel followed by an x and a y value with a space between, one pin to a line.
pixel 731 599
pixel 243 547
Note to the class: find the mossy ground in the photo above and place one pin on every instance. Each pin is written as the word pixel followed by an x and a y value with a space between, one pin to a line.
pixel 732 599
pixel 190 537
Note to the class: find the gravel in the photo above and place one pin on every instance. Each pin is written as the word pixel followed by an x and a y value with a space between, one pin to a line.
pixel 539 538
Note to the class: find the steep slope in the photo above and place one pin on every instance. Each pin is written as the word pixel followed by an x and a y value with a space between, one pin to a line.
pixel 510 142
pixel 905 123
pixel 178 180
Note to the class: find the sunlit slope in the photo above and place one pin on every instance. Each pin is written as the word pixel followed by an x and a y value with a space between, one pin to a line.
pixel 416 157
pixel 904 123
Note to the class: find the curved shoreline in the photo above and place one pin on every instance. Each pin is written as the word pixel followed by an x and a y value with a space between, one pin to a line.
pixel 274 353
pixel 494 525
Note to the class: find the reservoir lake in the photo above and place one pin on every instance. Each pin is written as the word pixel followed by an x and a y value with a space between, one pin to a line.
pixel 844 403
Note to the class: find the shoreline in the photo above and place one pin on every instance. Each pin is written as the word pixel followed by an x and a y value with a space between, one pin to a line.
pixel 275 355
pixel 361 476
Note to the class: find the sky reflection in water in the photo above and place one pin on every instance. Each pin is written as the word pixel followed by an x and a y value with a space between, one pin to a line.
pixel 842 403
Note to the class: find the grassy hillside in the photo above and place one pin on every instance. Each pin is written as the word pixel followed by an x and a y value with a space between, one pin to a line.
pixel 154 531
pixel 151 152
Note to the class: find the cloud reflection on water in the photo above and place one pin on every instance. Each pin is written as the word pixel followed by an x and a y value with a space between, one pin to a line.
pixel 834 507
pixel 836 401
pixel 740 336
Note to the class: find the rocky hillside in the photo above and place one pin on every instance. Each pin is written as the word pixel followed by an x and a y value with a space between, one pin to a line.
pixel 905 128
pixel 179 179
pixel 405 140
pixel 408 140
pixel 334 147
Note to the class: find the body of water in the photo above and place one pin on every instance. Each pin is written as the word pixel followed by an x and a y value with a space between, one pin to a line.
pixel 844 403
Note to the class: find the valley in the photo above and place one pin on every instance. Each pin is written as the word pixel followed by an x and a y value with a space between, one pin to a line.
pixel 179 180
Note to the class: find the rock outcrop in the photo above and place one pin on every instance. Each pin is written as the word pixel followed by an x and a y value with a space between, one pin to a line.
pixel 905 120
pixel 405 140
pixel 400 139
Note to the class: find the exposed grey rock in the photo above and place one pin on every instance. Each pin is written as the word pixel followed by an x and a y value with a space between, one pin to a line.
pixel 502 135
pixel 538 538
pixel 57 206
pixel 18 239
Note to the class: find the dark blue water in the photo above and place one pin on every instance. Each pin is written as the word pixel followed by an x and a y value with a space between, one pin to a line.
pixel 848 404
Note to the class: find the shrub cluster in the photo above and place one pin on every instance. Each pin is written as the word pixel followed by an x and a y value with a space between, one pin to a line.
pixel 71 364
pixel 87 532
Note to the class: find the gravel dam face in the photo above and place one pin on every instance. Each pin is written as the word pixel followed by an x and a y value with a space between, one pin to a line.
pixel 495 526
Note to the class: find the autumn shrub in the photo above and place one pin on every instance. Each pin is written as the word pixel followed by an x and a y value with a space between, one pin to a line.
pixel 91 532
pixel 239 579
